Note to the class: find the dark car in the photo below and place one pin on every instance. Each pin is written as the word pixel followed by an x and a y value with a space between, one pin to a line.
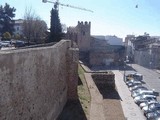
pixel 151 108
pixel 19 43
pixel 153 115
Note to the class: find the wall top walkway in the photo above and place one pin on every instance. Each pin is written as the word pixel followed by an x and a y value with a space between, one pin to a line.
pixel 37 47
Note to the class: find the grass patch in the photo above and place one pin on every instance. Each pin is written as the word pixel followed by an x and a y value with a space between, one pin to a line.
pixel 83 92
pixel 78 109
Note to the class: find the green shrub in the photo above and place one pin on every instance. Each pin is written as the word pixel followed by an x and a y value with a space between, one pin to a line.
pixel 6 36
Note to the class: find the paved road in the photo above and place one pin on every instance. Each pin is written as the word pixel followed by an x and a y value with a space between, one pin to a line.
pixel 150 77
pixel 130 109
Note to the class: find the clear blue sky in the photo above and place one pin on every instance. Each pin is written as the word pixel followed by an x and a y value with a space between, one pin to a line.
pixel 110 17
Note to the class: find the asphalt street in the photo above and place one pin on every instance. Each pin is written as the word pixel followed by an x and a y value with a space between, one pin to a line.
pixel 151 77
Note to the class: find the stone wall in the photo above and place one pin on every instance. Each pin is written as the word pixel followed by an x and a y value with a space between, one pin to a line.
pixel 34 82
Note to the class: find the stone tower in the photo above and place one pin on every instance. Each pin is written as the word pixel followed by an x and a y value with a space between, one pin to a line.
pixel 83 36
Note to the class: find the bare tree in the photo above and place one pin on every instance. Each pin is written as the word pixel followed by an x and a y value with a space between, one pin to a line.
pixel 33 27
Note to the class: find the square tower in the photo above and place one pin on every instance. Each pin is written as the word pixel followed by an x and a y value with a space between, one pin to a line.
pixel 83 35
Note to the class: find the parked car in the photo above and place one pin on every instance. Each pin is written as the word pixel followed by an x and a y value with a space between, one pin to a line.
pixel 131 84
pixel 143 98
pixel 146 103
pixel 138 90
pixel 153 115
pixel 136 76
pixel 131 81
pixel 137 87
pixel 151 108
pixel 5 43
pixel 19 43
pixel 142 92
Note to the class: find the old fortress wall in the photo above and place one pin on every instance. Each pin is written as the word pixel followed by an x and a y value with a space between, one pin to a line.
pixel 35 83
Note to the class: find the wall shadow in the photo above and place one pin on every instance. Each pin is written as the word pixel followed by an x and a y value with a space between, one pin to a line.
pixel 72 111
pixel 108 92
pixel 79 81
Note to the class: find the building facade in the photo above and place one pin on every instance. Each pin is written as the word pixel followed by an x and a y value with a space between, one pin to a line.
pixel 95 50
pixel 18 27
pixel 144 50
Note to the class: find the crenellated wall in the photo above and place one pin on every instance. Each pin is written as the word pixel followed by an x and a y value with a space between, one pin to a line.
pixel 80 35
pixel 35 83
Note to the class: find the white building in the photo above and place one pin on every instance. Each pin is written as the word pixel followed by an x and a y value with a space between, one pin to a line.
pixel 18 26
pixel 129 46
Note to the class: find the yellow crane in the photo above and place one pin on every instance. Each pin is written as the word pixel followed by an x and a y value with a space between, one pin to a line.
pixel 57 3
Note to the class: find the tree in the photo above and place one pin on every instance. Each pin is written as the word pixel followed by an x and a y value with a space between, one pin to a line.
pixel 55 29
pixel 6 19
pixel 17 37
pixel 33 27
pixel 6 36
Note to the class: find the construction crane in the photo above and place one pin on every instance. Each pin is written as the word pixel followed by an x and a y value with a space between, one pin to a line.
pixel 57 3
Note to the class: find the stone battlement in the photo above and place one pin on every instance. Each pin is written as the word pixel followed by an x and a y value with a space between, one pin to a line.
pixel 84 23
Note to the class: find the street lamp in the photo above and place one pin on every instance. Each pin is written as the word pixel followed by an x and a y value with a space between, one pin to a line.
pixel 150 63
pixel 126 61
pixel 124 70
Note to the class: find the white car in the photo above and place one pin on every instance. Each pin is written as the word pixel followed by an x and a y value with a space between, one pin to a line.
pixel 6 43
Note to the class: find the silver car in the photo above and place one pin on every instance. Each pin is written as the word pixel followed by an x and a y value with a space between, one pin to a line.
pixel 142 92
pixel 143 98
pixel 131 84
pixel 136 87
pixel 146 103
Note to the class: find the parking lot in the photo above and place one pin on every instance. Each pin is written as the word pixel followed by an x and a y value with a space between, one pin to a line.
pixel 151 80
pixel 150 77
pixel 130 109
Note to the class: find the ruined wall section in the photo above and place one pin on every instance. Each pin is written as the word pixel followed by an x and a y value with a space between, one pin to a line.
pixel 104 79
pixel 34 82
